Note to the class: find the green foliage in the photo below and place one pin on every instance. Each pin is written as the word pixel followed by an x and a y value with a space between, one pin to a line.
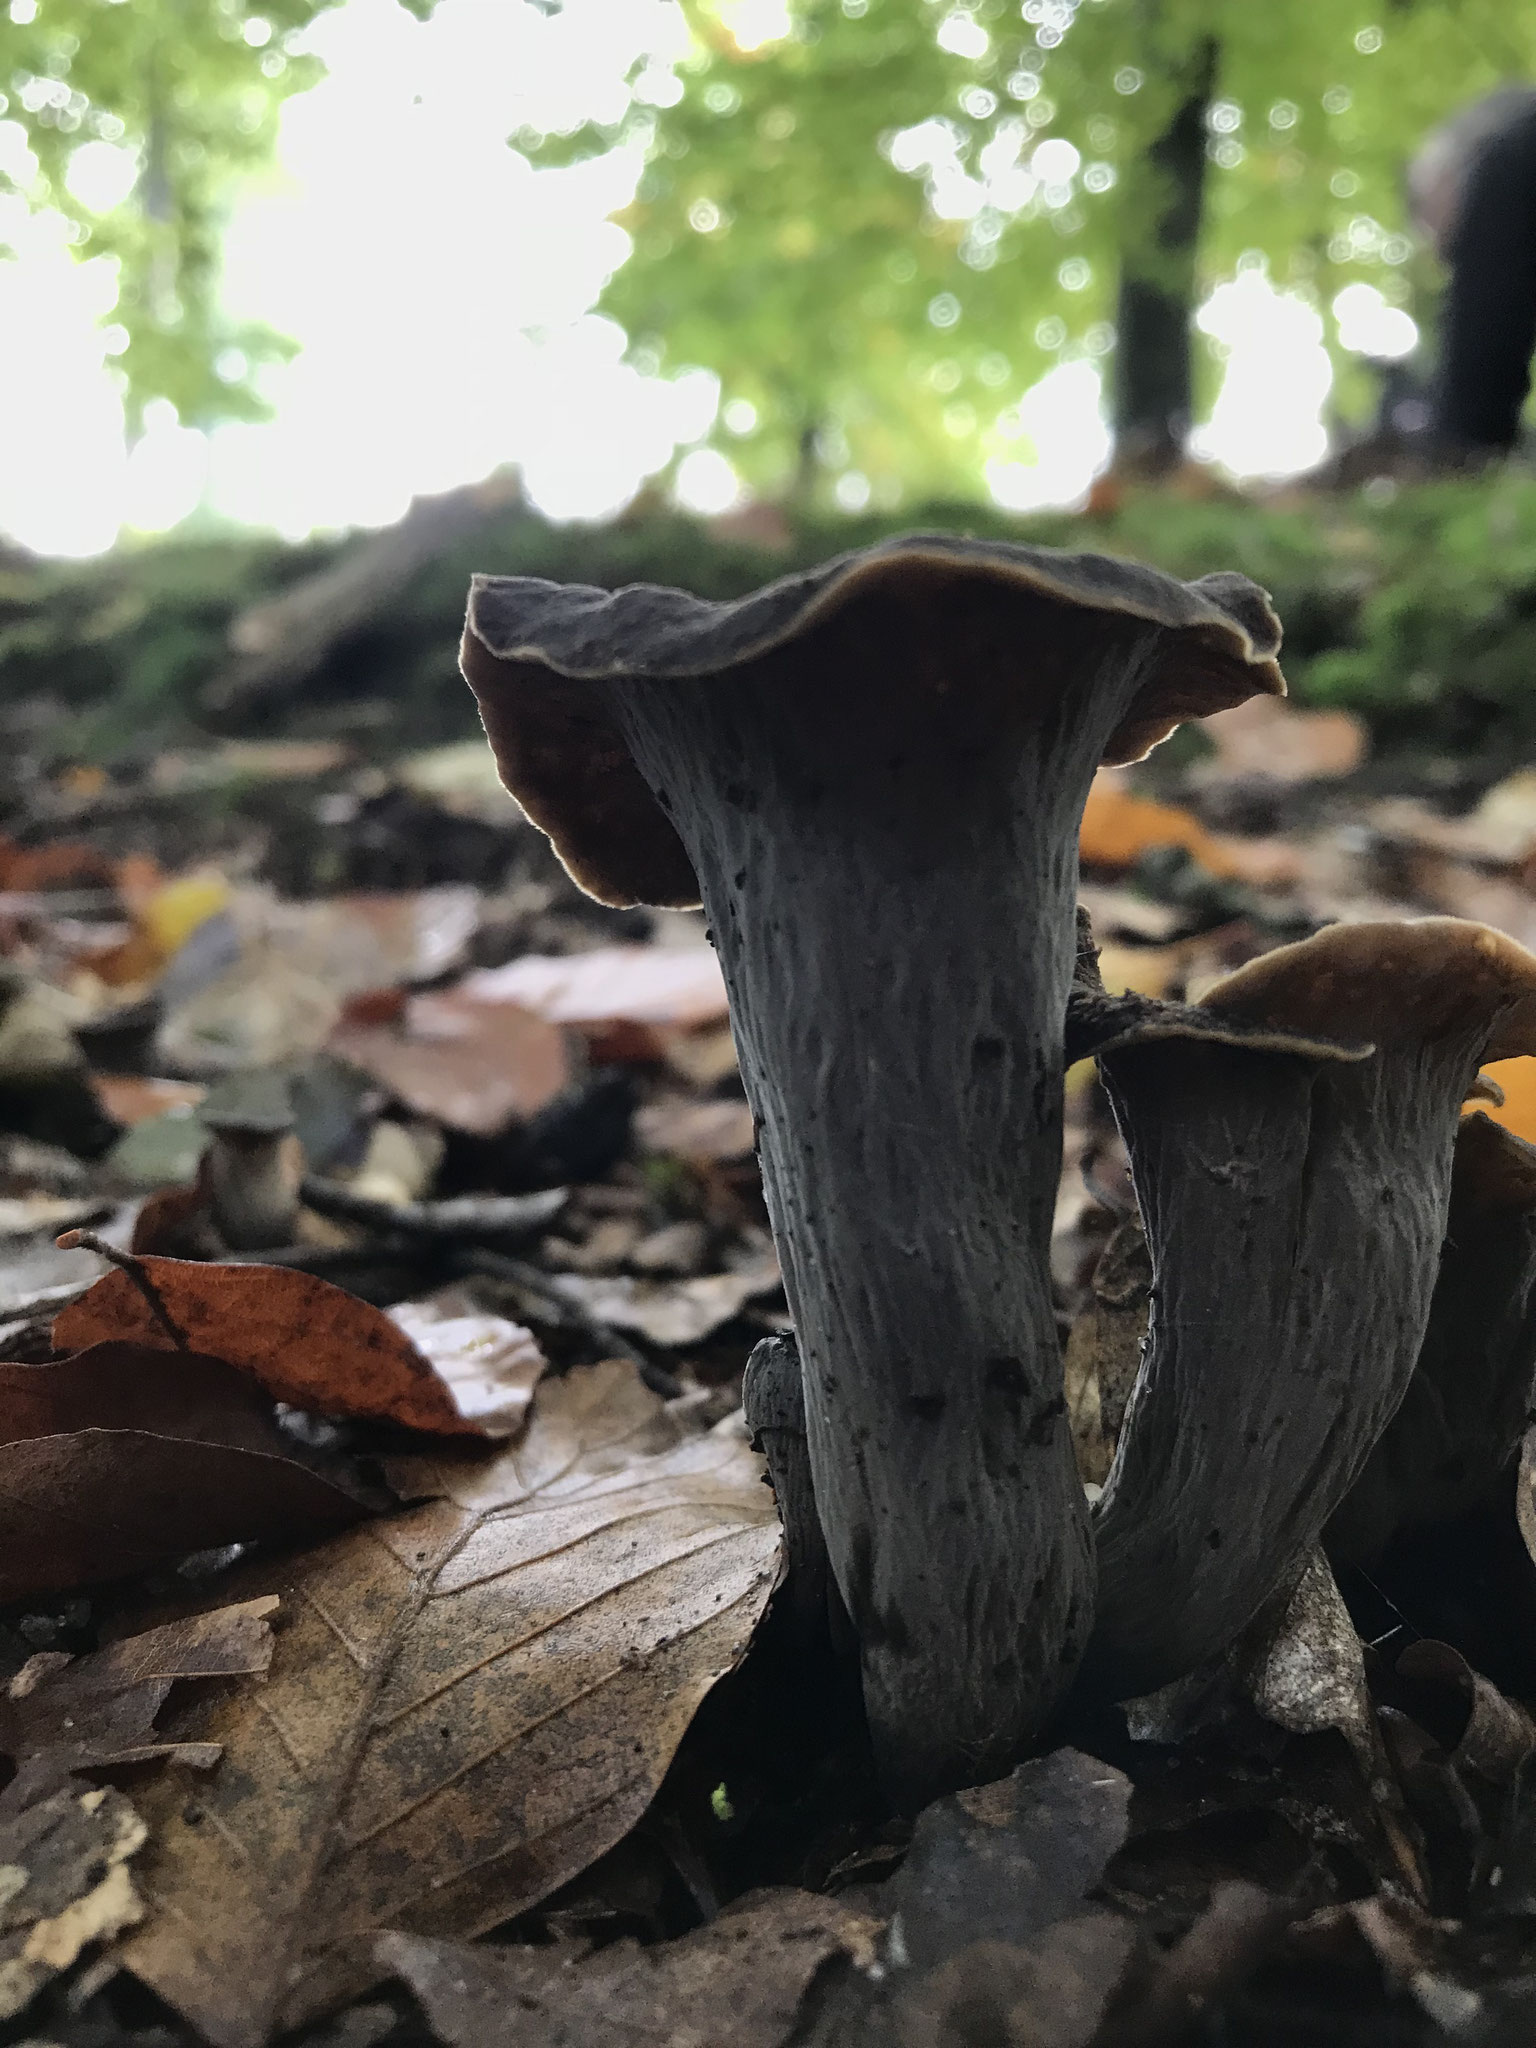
pixel 786 238
pixel 190 90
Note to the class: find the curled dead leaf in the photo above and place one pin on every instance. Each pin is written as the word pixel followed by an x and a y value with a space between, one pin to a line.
pixel 124 1455
pixel 64 1883
pixel 305 1341
pixel 740 1979
pixel 63 1714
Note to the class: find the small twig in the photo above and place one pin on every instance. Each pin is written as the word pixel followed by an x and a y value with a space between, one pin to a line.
pixel 89 1241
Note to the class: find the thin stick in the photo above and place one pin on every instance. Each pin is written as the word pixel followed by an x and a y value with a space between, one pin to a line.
pixel 89 1241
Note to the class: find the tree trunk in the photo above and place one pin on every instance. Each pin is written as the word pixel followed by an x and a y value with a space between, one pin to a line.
pixel 1152 385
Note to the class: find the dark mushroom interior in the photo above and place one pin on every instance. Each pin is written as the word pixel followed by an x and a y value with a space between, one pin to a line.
pixel 873 777
pixel 1469 1401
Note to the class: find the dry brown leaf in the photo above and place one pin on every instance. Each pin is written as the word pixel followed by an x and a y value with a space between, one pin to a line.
pixel 1517 1112
pixel 308 1343
pixel 474 1066
pixel 124 1455
pixel 667 1311
pixel 738 1980
pixel 135 1098
pixel 472 1701
pixel 667 985
pixel 1269 740
pixel 63 1714
pixel 1118 827
pixel 490 1366
pixel 685 1129
pixel 64 1883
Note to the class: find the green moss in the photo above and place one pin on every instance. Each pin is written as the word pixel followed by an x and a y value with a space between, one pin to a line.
pixel 1417 610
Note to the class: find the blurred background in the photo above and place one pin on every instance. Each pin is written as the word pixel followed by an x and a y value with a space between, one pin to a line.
pixel 308 311
pixel 736 282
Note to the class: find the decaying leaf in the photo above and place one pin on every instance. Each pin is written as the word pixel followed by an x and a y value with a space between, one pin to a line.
pixel 1270 740
pixel 682 1129
pixel 1118 827
pixel 62 1714
pixel 472 1701
pixel 474 1066
pixel 670 985
pixel 668 1311
pixel 123 1455
pixel 1300 1664
pixel 1103 1351
pixel 489 1365
pixel 1047 1992
pixel 1486 1737
pixel 64 1883
pixel 739 1980
pixel 989 1938
pixel 307 1342
pixel 1001 1862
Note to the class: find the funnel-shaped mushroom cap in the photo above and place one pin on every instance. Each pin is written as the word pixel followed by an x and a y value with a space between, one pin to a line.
pixel 538 656
pixel 1392 983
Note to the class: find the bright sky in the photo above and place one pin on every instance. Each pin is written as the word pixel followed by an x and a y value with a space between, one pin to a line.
pixel 440 292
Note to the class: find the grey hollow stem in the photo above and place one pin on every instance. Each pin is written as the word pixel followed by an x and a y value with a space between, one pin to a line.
pixel 1295 1212
pixel 884 829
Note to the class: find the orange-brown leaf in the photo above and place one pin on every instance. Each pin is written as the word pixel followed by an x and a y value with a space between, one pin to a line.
pixel 307 1342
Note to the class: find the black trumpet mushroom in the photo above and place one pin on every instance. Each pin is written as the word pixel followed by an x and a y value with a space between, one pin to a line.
pixel 873 776
pixel 1469 1401
pixel 1295 1208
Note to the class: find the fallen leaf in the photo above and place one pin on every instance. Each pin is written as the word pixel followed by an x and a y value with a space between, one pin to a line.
pixel 490 1366
pixel 307 1342
pixel 1002 1862
pixel 1231 1938
pixel 1485 1736
pixel 1050 1992
pixel 679 1128
pixel 1118 827
pixel 989 1939
pixel 740 1980
pixel 670 985
pixel 64 862
pixel 63 1714
pixel 123 1455
pixel 259 1011
pixel 38 1277
pixel 131 1099
pixel 1301 1664
pixel 473 1700
pixel 64 1883
pixel 29 1215
pixel 670 1312
pixel 1270 740
pixel 474 1066
pixel 1517 1112
pixel 1103 1352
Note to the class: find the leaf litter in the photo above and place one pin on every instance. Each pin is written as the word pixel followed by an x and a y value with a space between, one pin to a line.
pixel 481 1058
pixel 469 1703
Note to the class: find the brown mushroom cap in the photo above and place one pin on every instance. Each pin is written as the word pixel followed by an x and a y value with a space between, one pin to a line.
pixel 1390 983
pixel 538 656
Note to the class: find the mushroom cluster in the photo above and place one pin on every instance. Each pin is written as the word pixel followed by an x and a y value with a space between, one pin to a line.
pixel 872 777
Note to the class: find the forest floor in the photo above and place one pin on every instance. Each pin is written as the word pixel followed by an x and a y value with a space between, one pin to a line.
pixel 391 1647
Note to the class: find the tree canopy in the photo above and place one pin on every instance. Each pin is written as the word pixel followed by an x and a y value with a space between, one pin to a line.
pixel 132 120
pixel 885 218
